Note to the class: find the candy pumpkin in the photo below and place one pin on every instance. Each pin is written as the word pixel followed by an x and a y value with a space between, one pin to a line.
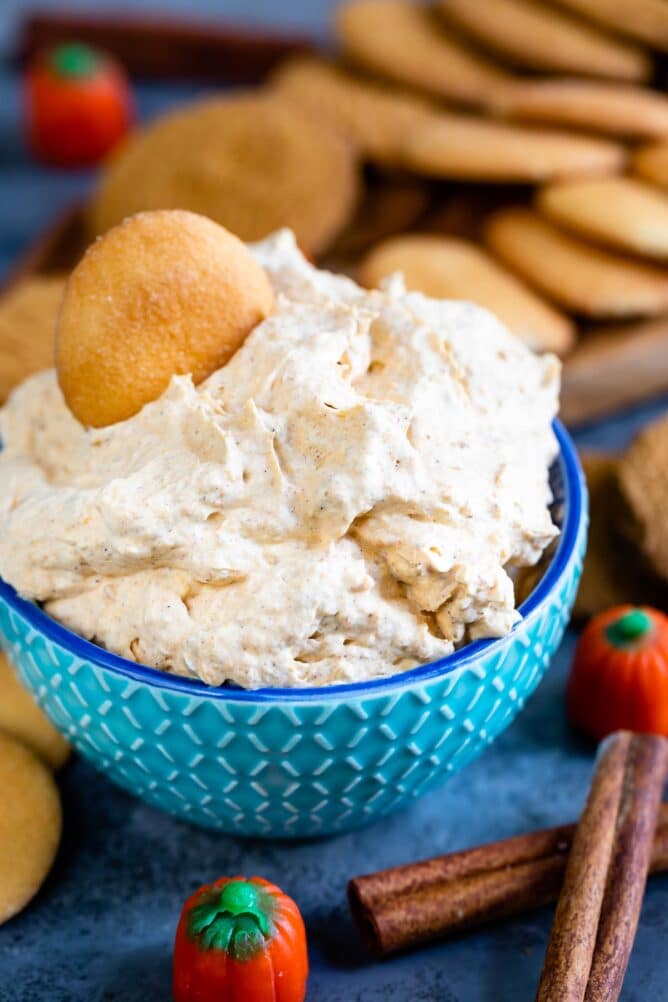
pixel 619 677
pixel 78 105
pixel 240 940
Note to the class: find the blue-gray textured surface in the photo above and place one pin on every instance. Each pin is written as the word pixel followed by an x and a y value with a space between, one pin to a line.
pixel 101 928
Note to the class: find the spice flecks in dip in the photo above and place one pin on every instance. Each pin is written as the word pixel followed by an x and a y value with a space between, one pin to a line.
pixel 343 500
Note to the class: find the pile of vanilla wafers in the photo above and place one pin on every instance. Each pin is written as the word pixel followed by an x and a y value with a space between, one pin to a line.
pixel 555 108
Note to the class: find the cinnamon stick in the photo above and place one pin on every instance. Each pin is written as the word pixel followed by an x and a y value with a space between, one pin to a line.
pixel 409 905
pixel 599 905
pixel 625 887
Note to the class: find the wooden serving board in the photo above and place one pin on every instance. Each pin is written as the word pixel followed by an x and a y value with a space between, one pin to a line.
pixel 613 368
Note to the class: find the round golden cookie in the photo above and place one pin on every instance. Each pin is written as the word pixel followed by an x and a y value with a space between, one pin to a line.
pixel 405 42
pixel 598 106
pixel 253 163
pixel 467 147
pixel 21 717
pixel 651 162
pixel 448 268
pixel 375 117
pixel 164 293
pixel 576 274
pixel 30 825
pixel 617 211
pixel 28 313
pixel 644 20
pixel 539 37
pixel 643 481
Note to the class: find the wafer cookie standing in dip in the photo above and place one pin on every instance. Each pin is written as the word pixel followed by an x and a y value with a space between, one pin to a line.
pixel 164 293
pixel 448 268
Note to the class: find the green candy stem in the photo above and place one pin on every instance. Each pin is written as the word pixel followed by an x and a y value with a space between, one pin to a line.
pixel 629 628
pixel 74 60
pixel 235 918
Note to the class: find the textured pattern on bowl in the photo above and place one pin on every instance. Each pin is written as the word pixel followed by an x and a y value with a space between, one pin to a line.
pixel 294 763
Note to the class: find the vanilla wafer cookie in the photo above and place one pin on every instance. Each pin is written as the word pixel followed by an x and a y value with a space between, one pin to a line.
pixel 644 20
pixel 405 42
pixel 651 163
pixel 254 163
pixel 28 312
pixel 466 147
pixel 539 37
pixel 164 293
pixel 618 211
pixel 574 273
pixel 30 825
pixel 375 117
pixel 617 109
pixel 448 268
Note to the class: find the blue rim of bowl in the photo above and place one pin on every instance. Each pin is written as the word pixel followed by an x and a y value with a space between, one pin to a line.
pixel 87 651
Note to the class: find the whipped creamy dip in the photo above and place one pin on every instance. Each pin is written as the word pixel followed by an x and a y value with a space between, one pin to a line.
pixel 343 500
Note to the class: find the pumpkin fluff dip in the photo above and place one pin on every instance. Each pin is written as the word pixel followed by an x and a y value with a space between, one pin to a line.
pixel 336 487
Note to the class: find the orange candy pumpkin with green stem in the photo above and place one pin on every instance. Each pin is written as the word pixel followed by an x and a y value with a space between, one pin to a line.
pixel 240 940
pixel 78 105
pixel 619 677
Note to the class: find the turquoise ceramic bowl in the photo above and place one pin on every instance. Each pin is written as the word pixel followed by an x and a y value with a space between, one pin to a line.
pixel 298 762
